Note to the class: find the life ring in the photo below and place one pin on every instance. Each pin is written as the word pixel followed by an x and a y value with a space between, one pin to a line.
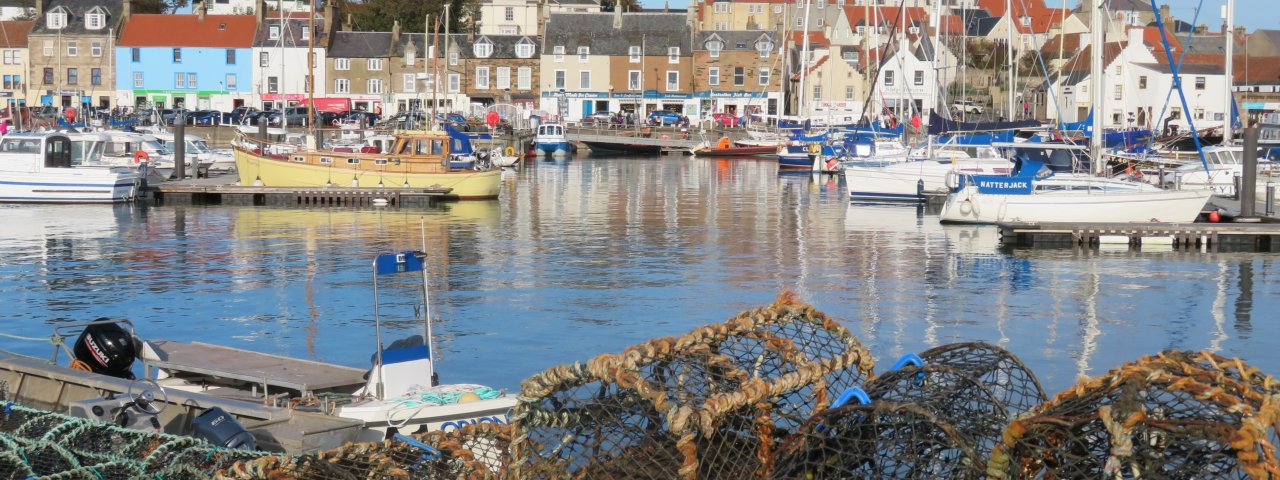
pixel 510 151
pixel 140 156
pixel 815 148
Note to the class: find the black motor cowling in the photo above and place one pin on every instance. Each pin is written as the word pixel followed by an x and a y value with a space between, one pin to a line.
pixel 218 427
pixel 107 348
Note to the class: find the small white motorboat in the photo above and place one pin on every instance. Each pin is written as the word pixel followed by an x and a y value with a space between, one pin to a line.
pixel 39 168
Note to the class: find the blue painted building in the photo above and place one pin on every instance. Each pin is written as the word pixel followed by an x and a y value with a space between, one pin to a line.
pixel 193 61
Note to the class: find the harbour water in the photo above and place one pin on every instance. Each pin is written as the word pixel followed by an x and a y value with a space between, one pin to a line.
pixel 589 255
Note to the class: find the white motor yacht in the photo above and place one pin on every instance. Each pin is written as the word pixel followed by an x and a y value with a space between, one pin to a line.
pixel 38 168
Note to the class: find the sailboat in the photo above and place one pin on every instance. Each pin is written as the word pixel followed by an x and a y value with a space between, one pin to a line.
pixel 1045 185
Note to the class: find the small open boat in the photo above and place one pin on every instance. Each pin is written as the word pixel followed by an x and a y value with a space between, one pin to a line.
pixel 725 148
pixel 416 159
pixel 238 398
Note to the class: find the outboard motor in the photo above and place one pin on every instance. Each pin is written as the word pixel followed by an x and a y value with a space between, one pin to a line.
pixel 107 348
pixel 218 427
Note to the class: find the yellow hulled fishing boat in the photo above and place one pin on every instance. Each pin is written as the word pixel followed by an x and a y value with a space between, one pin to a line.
pixel 414 160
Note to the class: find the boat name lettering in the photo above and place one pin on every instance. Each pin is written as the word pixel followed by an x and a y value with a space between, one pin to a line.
pixel 458 424
pixel 1003 184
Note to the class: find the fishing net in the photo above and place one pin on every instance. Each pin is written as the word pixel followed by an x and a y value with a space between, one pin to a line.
pixel 474 452
pixel 937 415
pixel 712 403
pixel 40 444
pixel 1172 415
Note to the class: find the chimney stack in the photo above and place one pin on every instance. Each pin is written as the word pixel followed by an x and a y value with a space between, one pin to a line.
pixel 40 8
pixel 395 34
pixel 346 26
pixel 261 11
pixel 126 9
pixel 201 10
pixel 617 15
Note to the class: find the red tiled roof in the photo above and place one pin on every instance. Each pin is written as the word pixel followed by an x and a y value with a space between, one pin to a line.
pixel 1069 43
pixel 1020 7
pixel 13 33
pixel 219 31
pixel 1151 37
pixel 796 76
pixel 886 15
pixel 951 24
pixel 1081 62
pixel 816 39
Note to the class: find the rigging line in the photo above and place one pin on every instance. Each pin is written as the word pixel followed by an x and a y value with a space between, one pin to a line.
pixel 879 65
pixel 1045 69
pixel 1177 82
pixel 1168 96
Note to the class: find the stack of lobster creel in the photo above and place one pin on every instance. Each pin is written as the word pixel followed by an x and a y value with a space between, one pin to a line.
pixel 785 392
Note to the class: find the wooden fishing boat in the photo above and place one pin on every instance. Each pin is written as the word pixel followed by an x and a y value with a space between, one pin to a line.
pixel 725 148
pixel 417 159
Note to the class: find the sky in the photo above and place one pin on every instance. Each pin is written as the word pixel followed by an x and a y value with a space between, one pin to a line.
pixel 1253 14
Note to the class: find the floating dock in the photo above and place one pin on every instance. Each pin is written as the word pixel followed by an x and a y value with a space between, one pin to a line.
pixel 222 190
pixel 1260 236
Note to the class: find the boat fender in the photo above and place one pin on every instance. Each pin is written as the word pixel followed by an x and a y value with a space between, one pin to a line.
pixel 140 156
pixel 510 151
pixel 815 148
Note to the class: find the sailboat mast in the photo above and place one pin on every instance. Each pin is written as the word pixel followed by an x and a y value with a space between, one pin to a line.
pixel 804 58
pixel 1008 14
pixel 1230 39
pixel 436 81
pixel 435 70
pixel 311 71
pixel 1096 85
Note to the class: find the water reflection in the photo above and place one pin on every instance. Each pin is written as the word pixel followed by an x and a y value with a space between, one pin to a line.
pixel 590 255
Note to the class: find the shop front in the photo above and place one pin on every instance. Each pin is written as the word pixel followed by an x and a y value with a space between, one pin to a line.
pixel 574 106
pixel 739 104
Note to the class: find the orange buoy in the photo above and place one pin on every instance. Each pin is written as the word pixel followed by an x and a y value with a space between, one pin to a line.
pixel 1215 217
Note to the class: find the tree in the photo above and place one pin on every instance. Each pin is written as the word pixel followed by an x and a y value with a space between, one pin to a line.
pixel 380 15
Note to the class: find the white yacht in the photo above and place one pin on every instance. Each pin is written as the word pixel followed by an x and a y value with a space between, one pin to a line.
pixel 200 152
pixel 1033 192
pixel 38 168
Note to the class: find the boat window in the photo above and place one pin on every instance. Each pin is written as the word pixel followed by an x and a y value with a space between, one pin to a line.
pixel 353 161
pixel 57 152
pixel 326 160
pixel 421 147
pixel 437 147
pixel 20 145
pixel 299 158
pixel 380 161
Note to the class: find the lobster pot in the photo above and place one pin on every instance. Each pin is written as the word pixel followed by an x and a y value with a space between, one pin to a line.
pixel 1168 416
pixel 475 452
pixel 882 440
pixel 950 395
pixel 1004 374
pixel 706 404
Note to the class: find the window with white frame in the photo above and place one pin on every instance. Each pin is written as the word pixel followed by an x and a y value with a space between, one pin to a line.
pixel 1119 92
pixel 584 79
pixel 888 78
pixel 673 54
pixel 10 57
pixel 848 93
pixel 1200 81
pixel 633 54
pixel 713 75
pixel 509 14
pixel 95 49
pixel 306 32
pixel 137 79
pixel 524 49
pixel 482 78
pixel 453 58
pixel 817 92
pixel 558 51
pixel 230 83
pixel 739 76
pixel 524 78
pixel 721 7
pixel 191 80
pixel 559 81
pixel 714 47
pixel 341 85
pixel 455 82
pixel 273 84
pixel 95 19
pixel 410 83
pixel 819 22
pixel 583 52
pixel 338 63
pixel 429 83
pixel 375 64
pixel 273 32
pixel 56 19
pixel 673 80
pixel 73 48
pixel 633 80
pixel 504 78
pixel 48 48
pixel 264 59
pixel 483 48
pixel 1199 114
pixel 919 78
pixel 764 47
pixel 180 80
pixel 375 86
pixel 722 26
pixel 764 76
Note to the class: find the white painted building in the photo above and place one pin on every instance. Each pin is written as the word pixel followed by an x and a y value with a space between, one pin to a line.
pixel 240 7
pixel 508 17
pixel 14 10
pixel 908 82
pixel 280 65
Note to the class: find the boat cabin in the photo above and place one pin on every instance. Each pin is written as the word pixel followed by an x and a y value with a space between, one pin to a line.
pixel 551 131
pixel 53 151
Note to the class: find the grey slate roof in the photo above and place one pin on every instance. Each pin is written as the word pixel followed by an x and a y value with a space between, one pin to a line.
pixel 576 2
pixel 504 46
pixel 655 31
pixel 977 22
pixel 360 45
pixel 76 20
pixel 291 35
pixel 1128 6
pixel 734 39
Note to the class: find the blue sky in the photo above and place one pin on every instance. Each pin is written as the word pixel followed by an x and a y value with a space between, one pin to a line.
pixel 1253 14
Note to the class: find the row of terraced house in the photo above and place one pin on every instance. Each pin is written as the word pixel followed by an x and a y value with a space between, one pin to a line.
pixel 565 57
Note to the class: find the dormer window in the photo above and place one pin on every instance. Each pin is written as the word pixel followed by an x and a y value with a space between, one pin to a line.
pixel 273 33
pixel 764 47
pixel 524 49
pixel 306 33
pixel 714 47
pixel 483 48
pixel 56 19
pixel 410 54
pixel 96 19
pixel 673 54
pixel 1026 21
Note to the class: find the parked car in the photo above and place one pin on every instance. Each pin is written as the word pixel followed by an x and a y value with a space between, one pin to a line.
pixel 205 117
pixel 291 116
pixel 353 116
pixel 966 106
pixel 726 119
pixel 169 115
pixel 251 118
pixel 664 117
pixel 237 115
pixel 598 118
